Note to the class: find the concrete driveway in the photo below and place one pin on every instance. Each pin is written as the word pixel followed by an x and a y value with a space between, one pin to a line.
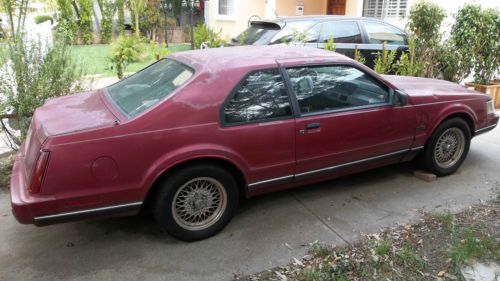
pixel 267 231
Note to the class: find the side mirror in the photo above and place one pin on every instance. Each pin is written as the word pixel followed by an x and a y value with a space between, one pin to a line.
pixel 400 98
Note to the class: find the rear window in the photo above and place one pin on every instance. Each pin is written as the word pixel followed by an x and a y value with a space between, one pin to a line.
pixel 257 34
pixel 148 87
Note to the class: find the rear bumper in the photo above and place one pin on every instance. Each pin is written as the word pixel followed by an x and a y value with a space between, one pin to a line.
pixel 23 205
pixel 44 210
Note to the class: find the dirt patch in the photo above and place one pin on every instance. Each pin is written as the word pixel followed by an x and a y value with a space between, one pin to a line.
pixel 433 249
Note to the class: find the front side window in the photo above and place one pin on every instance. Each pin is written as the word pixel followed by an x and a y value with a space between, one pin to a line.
pixel 148 87
pixel 379 33
pixel 341 32
pixel 226 7
pixel 262 96
pixel 328 88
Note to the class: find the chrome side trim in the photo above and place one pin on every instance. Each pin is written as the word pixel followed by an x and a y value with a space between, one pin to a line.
pixel 271 180
pixel 485 129
pixel 69 215
pixel 353 163
pixel 417 148
pixel 253 185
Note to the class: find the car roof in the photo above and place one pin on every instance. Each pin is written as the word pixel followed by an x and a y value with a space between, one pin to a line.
pixel 318 18
pixel 224 59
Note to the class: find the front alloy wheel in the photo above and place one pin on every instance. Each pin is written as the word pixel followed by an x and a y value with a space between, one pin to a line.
pixel 447 147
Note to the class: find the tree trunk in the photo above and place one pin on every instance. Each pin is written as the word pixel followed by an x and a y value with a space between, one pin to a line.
pixel 137 31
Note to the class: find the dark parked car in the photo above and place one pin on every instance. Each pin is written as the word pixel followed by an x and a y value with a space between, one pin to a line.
pixel 191 134
pixel 367 33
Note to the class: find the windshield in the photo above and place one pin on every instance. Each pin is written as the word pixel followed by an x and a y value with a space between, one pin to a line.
pixel 146 88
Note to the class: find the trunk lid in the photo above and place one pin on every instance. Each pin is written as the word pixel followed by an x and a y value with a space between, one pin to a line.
pixel 64 115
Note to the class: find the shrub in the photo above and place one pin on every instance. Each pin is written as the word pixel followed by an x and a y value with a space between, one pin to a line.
pixel 38 72
pixel 408 64
pixel 452 66
pixel 43 18
pixel 203 34
pixel 424 23
pixel 125 50
pixel 120 24
pixel 384 60
pixel 475 36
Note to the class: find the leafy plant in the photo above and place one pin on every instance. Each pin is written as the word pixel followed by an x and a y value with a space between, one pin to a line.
pixel 330 45
pixel 43 18
pixel 475 36
pixel 451 64
pixel 358 56
pixel 125 50
pixel 85 20
pixel 203 34
pixel 424 23
pixel 39 72
pixel 408 64
pixel 384 60
pixel 108 10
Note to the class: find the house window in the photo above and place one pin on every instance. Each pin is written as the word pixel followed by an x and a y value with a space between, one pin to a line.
pixel 385 9
pixel 226 8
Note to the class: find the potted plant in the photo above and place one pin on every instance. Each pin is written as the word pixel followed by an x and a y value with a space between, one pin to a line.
pixel 475 37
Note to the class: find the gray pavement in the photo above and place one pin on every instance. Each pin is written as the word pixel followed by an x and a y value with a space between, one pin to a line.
pixel 267 231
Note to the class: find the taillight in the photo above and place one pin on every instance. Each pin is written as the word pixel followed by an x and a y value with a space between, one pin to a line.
pixel 38 172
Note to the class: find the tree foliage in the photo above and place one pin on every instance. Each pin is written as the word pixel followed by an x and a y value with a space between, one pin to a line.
pixel 120 8
pixel 424 23
pixel 475 35
pixel 151 19
pixel 137 7
pixel 108 10
pixel 67 27
pixel 85 20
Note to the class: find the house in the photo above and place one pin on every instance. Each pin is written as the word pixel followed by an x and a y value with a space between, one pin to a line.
pixel 233 16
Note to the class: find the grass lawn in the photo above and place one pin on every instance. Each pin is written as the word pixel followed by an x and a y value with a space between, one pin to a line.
pixel 96 57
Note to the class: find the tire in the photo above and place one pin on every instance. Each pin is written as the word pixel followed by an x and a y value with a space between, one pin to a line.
pixel 206 197
pixel 447 147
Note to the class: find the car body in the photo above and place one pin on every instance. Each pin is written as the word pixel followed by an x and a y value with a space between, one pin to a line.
pixel 255 119
pixel 349 33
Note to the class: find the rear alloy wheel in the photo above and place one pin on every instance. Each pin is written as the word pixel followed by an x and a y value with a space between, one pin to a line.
pixel 447 147
pixel 196 202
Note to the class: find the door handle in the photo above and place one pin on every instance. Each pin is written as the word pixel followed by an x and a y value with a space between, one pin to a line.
pixel 312 126
pixel 374 53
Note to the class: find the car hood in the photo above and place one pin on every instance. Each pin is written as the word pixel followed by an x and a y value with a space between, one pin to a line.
pixel 73 113
pixel 425 90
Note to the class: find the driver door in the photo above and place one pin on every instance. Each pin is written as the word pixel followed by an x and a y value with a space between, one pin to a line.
pixel 346 118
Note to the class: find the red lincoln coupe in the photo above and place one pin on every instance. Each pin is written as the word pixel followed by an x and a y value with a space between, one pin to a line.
pixel 192 133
